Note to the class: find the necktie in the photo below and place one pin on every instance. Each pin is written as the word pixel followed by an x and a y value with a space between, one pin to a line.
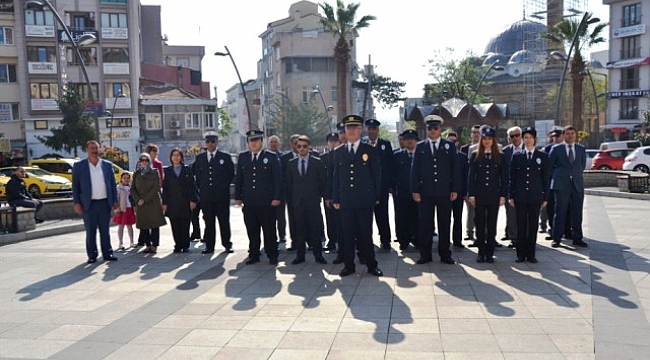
pixel 411 157
pixel 211 157
pixel 488 156
pixel 434 147
pixel 530 155
pixel 572 156
pixel 255 159
pixel 303 167
pixel 351 150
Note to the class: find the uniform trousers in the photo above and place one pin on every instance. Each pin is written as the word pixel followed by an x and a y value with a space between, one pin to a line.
pixel 527 215
pixel 331 219
pixel 180 232
pixel 309 226
pixel 381 219
pixel 196 224
pixel 98 216
pixel 485 219
pixel 406 219
pixel 511 221
pixel 457 214
pixel 426 211
pixel 357 224
pixel 258 218
pixel 213 211
pixel 469 222
pixel 281 220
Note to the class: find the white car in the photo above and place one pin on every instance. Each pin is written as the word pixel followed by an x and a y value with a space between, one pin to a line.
pixel 638 160
pixel 591 153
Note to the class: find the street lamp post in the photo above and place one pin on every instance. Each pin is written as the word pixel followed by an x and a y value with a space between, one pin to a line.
pixel 596 96
pixel 560 56
pixel 83 40
pixel 326 107
pixel 241 83
pixel 493 66
pixel 112 115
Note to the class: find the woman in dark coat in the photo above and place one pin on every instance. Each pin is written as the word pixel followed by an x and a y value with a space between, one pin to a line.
pixel 145 191
pixel 487 187
pixel 180 197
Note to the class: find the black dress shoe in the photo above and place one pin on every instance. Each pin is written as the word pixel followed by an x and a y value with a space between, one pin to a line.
pixel 273 261
pixel 321 260
pixel 459 246
pixel 448 260
pixel 207 251
pixel 505 238
pixel 555 244
pixel 376 272
pixel 177 250
pixel 512 245
pixel 338 260
pixel 250 261
pixel 498 245
pixel 579 243
pixel 520 260
pixel 424 260
pixel 283 239
pixel 385 246
pixel 297 261
pixel 92 260
pixel 532 260
pixel 469 237
pixel 229 250
pixel 403 246
pixel 291 249
pixel 110 258
pixel 548 237
pixel 38 221
pixel 346 272
pixel 480 259
pixel 362 261
pixel 489 259
pixel 474 244
pixel 186 250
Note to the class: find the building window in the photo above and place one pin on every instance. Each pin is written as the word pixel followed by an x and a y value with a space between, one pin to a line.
pixel 44 90
pixel 41 53
pixel 39 17
pixel 629 109
pixel 115 55
pixel 208 121
pixel 183 62
pixel 9 112
pixel 154 121
pixel 630 78
pixel 334 94
pixel 82 88
pixel 305 96
pixel 630 47
pixel 89 56
pixel 115 89
pixel 7 73
pixel 40 125
pixel 82 21
pixel 6 35
pixel 631 15
pixel 193 121
pixel 114 20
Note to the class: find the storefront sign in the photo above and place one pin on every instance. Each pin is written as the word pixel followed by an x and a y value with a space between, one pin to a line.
pixel 628 63
pixel 41 67
pixel 628 94
pixel 628 31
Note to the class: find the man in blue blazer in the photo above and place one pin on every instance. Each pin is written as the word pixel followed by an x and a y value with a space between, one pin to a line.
pixel 94 194
pixel 567 161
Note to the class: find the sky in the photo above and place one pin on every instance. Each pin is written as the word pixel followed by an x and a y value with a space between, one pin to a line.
pixel 400 42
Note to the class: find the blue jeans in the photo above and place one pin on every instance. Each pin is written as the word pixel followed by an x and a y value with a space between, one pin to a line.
pixel 28 204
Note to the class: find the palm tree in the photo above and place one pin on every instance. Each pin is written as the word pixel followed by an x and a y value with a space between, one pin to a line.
pixel 565 32
pixel 341 23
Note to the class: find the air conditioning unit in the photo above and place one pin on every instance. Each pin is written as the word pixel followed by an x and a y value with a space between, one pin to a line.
pixel 175 124
pixel 176 133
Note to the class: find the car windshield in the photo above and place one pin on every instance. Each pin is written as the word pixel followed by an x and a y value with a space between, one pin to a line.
pixel 38 172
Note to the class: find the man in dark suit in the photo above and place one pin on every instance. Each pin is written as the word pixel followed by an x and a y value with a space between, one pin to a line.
pixel 284 159
pixel 214 172
pixel 305 188
pixel 332 160
pixel 557 137
pixel 258 187
pixel 435 185
pixel 385 152
pixel 457 205
pixel 330 214
pixel 274 144
pixel 567 162
pixel 355 192
pixel 94 193
pixel 406 210
pixel 515 147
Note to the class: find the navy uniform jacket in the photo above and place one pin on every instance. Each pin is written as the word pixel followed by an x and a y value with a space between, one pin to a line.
pixel 509 151
pixel 435 176
pixel 356 181
pixel 213 178
pixel 258 185
pixel 487 180
pixel 178 191
pixel 309 189
pixel 529 180
pixel 402 174
pixel 328 163
pixel 463 169
pixel 386 159
pixel 564 175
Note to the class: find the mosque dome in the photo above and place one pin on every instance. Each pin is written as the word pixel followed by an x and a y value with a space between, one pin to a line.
pixel 499 59
pixel 523 34
pixel 523 57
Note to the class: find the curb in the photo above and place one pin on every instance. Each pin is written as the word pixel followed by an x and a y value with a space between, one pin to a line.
pixel 615 194
pixel 6 239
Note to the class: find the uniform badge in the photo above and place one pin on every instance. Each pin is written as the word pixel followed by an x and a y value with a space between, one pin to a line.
pixel 221 161
pixel 265 161
pixel 364 157
pixel 539 161
pixel 446 146
pixel 383 146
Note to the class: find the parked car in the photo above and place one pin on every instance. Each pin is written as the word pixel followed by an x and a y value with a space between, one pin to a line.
pixel 3 181
pixel 42 183
pixel 610 159
pixel 63 167
pixel 590 157
pixel 638 160
pixel 628 144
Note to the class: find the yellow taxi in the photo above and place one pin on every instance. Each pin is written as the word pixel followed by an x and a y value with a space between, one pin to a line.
pixel 3 182
pixel 63 167
pixel 42 183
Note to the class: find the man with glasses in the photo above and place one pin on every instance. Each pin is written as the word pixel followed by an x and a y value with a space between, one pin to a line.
pixel 515 147
pixel 214 172
pixel 435 184
pixel 284 159
pixel 17 194
pixel 465 149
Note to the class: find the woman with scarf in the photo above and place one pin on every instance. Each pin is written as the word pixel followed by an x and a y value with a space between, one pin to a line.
pixel 145 191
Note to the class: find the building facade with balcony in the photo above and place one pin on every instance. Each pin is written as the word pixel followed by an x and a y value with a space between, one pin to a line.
pixel 12 143
pixel 628 68
pixel 47 64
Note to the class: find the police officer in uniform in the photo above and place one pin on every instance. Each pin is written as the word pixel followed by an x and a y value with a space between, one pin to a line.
pixel 406 210
pixel 340 128
pixel 214 172
pixel 330 214
pixel 355 192
pixel 385 152
pixel 258 186
pixel 434 185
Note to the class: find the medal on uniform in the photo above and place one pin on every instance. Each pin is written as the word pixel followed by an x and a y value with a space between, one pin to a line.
pixel 383 147
pixel 221 161
pixel 265 161
pixel 364 157
pixel 539 161
pixel 446 146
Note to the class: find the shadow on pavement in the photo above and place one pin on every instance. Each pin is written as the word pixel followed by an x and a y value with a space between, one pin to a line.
pixel 70 277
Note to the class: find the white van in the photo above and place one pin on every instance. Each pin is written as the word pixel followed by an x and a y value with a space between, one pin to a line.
pixel 629 144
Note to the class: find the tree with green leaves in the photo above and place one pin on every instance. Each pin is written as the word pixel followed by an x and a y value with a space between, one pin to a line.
pixel 76 128
pixel 565 32
pixel 225 123
pixel 383 89
pixel 340 22
pixel 304 119
pixel 451 77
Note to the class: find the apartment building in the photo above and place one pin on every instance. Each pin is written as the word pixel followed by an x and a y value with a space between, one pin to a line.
pixel 12 141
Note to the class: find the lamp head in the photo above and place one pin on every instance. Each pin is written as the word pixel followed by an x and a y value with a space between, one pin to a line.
pixel 108 113
pixel 219 53
pixel 330 107
pixel 34 4
pixel 86 39
pixel 558 55
pixel 120 95
pixel 316 91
